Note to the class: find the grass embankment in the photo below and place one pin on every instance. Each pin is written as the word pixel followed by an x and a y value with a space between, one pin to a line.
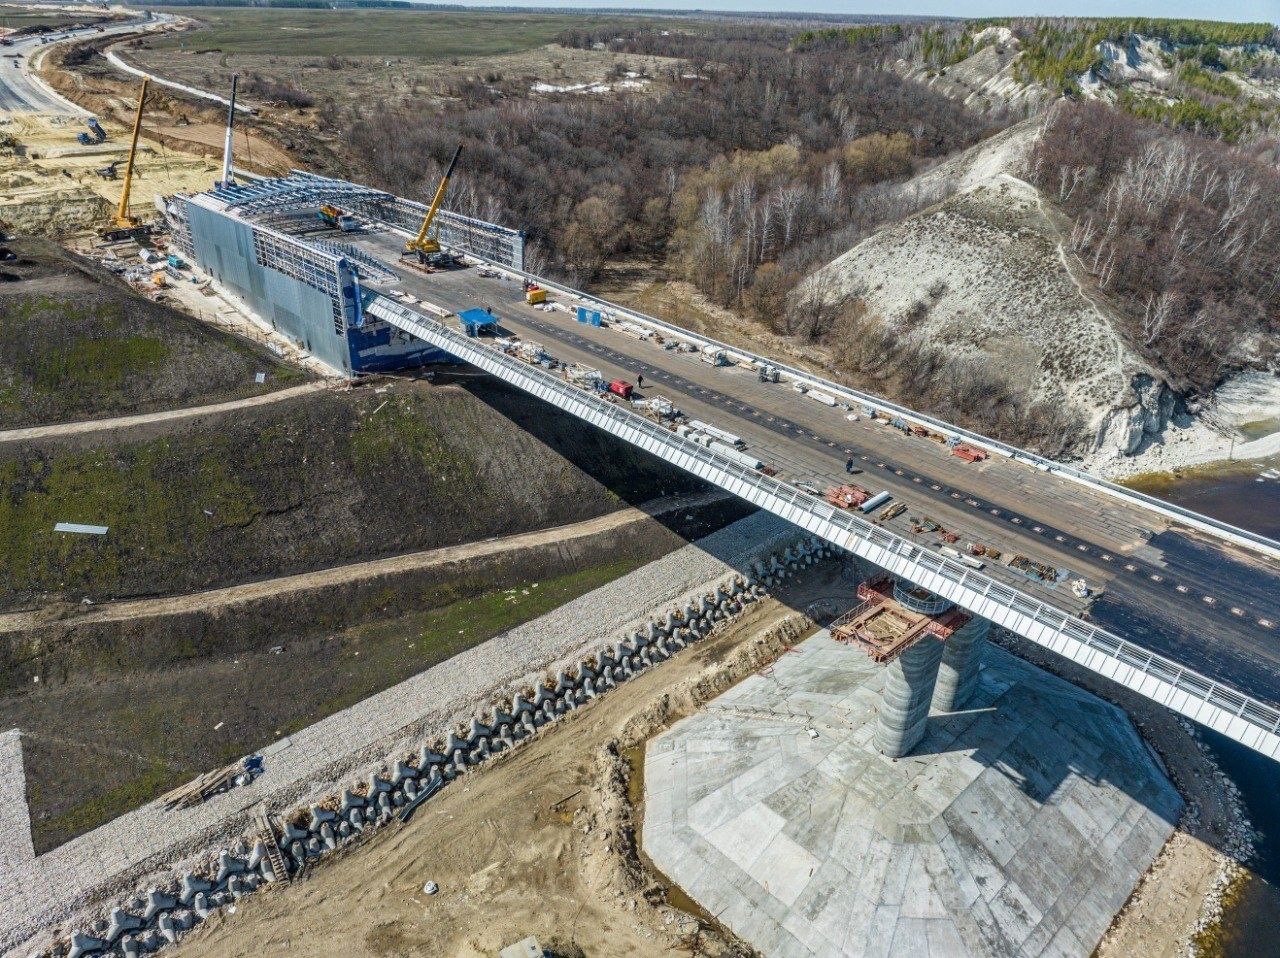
pixel 169 729
pixel 424 34
pixel 298 485
pixel 397 649
pixel 77 344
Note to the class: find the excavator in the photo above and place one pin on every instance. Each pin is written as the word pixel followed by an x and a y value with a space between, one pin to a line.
pixel 428 248
pixel 123 226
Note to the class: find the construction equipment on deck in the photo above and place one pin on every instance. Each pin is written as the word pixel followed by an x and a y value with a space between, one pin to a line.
pixel 847 497
pixel 893 511
pixel 125 226
pixel 337 218
pixel 423 244
pixel 968 453
pixel 1033 569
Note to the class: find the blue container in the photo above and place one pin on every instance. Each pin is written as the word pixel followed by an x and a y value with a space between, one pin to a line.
pixel 595 317
pixel 582 314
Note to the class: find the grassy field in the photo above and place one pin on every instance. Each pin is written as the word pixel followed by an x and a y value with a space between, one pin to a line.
pixel 287 488
pixel 429 35
pixel 77 344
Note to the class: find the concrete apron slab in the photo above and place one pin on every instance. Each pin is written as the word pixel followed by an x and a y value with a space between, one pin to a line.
pixel 1018 826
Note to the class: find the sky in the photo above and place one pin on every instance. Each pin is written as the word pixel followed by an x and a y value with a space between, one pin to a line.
pixel 1242 10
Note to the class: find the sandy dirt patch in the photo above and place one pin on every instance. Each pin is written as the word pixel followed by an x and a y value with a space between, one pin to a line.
pixel 49 185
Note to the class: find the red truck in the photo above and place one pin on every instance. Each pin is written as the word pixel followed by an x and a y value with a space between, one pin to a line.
pixel 620 387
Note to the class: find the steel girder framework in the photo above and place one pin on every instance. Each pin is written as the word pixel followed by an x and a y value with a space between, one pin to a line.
pixel 489 241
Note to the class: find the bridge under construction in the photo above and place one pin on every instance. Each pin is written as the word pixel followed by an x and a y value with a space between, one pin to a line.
pixel 1173 605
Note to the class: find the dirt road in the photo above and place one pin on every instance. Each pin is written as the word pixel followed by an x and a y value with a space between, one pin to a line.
pixel 168 415
pixel 216 599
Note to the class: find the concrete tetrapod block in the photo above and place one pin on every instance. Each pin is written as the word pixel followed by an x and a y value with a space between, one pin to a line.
pixel 958 670
pixel 319 816
pixel 193 885
pixel 229 865
pixel 83 945
pixel 908 693
pixel 168 928
pixel 157 903
pixel 121 923
pixel 201 906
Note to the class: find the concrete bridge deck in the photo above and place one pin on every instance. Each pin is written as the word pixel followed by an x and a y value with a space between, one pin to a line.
pixel 1203 602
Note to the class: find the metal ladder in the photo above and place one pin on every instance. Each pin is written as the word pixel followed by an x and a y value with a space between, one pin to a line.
pixel 268 835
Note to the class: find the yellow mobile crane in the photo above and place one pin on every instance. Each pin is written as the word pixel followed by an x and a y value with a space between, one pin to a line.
pixel 426 246
pixel 123 225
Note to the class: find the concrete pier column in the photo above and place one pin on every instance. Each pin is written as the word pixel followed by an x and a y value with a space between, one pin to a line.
pixel 958 671
pixel 908 691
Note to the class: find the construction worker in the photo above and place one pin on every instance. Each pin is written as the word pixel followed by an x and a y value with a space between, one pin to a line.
pixel 640 380
pixel 848 465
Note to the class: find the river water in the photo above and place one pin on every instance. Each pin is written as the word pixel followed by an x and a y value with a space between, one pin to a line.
pixel 1234 494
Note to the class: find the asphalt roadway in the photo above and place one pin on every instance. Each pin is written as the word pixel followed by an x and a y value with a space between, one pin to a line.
pixel 22 93
pixel 1209 605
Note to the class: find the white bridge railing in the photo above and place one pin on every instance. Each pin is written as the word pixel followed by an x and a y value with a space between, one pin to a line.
pixel 1210 703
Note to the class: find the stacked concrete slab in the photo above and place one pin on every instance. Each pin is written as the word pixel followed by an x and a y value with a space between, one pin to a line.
pixel 1018 825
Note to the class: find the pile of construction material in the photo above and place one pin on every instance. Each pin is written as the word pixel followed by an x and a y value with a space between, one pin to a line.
pixel 277 853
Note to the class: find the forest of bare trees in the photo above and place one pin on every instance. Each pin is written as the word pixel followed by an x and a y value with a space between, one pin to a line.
pixel 746 160
pixel 1180 230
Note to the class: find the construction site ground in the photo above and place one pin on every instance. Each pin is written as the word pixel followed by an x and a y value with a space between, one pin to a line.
pixel 246 666
pixel 539 842
pixel 48 183
pixel 286 489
